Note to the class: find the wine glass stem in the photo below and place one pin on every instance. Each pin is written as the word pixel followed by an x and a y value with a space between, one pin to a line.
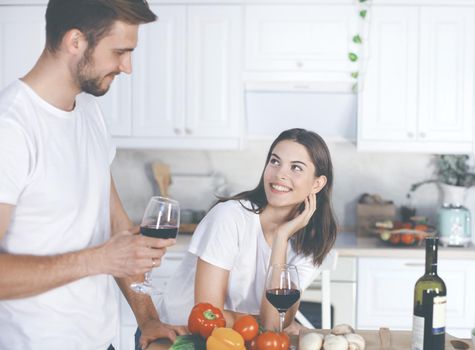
pixel 148 277
pixel 281 321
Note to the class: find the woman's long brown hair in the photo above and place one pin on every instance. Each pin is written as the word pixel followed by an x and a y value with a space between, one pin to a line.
pixel 318 237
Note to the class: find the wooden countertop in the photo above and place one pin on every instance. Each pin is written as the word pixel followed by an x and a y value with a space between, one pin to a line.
pixel 375 340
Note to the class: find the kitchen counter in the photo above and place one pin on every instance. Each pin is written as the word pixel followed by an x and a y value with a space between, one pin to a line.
pixel 347 244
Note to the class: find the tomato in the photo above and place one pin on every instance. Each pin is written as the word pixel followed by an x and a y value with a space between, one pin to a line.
pixel 273 341
pixel 252 345
pixel 247 326
pixel 408 238
pixel 285 344
pixel 268 341
pixel 395 238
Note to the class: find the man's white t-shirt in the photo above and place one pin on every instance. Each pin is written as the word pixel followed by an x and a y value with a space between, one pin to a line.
pixel 54 170
pixel 229 237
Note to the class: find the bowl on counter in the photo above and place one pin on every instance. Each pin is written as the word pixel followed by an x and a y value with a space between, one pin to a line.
pixel 399 233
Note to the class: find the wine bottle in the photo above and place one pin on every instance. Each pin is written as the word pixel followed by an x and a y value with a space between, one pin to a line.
pixel 430 296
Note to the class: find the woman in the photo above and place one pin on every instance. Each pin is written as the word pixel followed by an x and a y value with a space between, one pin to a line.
pixel 287 218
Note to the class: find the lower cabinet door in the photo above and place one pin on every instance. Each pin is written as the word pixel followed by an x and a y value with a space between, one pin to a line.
pixel 386 287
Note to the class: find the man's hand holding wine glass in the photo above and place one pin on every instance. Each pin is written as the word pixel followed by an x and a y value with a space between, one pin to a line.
pixel 127 254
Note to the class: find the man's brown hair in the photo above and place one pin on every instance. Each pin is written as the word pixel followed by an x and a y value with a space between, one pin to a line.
pixel 94 18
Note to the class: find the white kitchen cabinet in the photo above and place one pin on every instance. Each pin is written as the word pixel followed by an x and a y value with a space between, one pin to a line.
pixel 22 29
pixel 386 289
pixel 288 42
pixel 186 85
pixel 417 93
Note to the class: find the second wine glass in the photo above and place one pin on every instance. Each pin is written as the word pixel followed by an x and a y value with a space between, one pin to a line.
pixel 282 288
pixel 160 220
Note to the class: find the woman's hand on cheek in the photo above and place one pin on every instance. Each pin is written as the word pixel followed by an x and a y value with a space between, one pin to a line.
pixel 300 220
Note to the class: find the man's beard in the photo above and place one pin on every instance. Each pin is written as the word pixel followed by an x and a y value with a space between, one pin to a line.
pixel 87 83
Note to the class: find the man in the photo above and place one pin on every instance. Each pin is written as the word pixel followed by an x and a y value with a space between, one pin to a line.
pixel 63 230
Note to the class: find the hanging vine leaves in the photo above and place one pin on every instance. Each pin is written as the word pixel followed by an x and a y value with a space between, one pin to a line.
pixel 353 57
pixel 357 39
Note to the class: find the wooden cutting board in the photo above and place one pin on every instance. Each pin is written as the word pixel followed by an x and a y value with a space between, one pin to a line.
pixel 384 339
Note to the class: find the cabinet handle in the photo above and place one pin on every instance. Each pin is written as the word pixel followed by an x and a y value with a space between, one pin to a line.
pixel 177 131
pixel 299 64
pixel 188 131
pixel 410 135
pixel 422 134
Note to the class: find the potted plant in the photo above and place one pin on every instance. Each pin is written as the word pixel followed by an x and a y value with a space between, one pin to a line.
pixel 454 175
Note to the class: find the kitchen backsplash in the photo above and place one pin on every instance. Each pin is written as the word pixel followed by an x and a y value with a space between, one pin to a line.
pixel 387 174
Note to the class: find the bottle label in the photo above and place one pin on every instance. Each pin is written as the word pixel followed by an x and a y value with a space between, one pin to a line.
pixel 438 315
pixel 417 333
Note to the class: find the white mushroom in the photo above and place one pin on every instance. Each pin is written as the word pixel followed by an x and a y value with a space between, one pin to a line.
pixel 329 335
pixel 337 342
pixel 310 341
pixel 342 329
pixel 356 341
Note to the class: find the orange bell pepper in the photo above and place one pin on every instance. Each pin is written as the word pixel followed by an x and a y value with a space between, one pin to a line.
pixel 225 339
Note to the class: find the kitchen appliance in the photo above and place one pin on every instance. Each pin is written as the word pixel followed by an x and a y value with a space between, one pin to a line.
pixel 454 225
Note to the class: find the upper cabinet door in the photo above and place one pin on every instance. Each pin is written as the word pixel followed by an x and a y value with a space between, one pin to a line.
pixel 159 74
pixel 214 88
pixel 446 74
pixel 388 101
pixel 116 105
pixel 299 38
pixel 22 33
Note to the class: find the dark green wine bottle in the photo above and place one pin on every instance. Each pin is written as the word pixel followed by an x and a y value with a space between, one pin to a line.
pixel 430 296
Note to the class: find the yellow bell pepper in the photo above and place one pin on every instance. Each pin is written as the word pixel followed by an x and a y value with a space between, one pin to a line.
pixel 225 339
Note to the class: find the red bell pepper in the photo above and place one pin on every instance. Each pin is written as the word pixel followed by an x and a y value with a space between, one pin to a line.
pixel 203 318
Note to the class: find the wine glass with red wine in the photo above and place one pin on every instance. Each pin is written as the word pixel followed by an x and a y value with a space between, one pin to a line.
pixel 160 220
pixel 282 288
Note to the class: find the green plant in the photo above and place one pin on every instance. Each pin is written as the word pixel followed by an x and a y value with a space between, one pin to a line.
pixel 355 55
pixel 453 169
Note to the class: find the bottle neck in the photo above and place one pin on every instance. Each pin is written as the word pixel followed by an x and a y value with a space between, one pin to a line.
pixel 431 256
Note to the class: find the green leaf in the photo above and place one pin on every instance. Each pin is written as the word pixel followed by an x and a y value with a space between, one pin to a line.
pixel 353 57
pixel 355 75
pixel 363 0
pixel 363 13
pixel 189 342
pixel 357 39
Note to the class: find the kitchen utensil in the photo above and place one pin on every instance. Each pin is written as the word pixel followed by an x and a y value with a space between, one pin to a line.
pixel 161 173
pixel 454 225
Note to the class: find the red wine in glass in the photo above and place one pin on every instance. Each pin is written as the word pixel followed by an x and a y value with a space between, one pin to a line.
pixel 159 232
pixel 160 220
pixel 282 298
pixel 282 288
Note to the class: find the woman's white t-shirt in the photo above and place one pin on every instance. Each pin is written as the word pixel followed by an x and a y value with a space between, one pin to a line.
pixel 229 237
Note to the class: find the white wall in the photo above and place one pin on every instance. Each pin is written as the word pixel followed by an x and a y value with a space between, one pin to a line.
pixel 389 175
